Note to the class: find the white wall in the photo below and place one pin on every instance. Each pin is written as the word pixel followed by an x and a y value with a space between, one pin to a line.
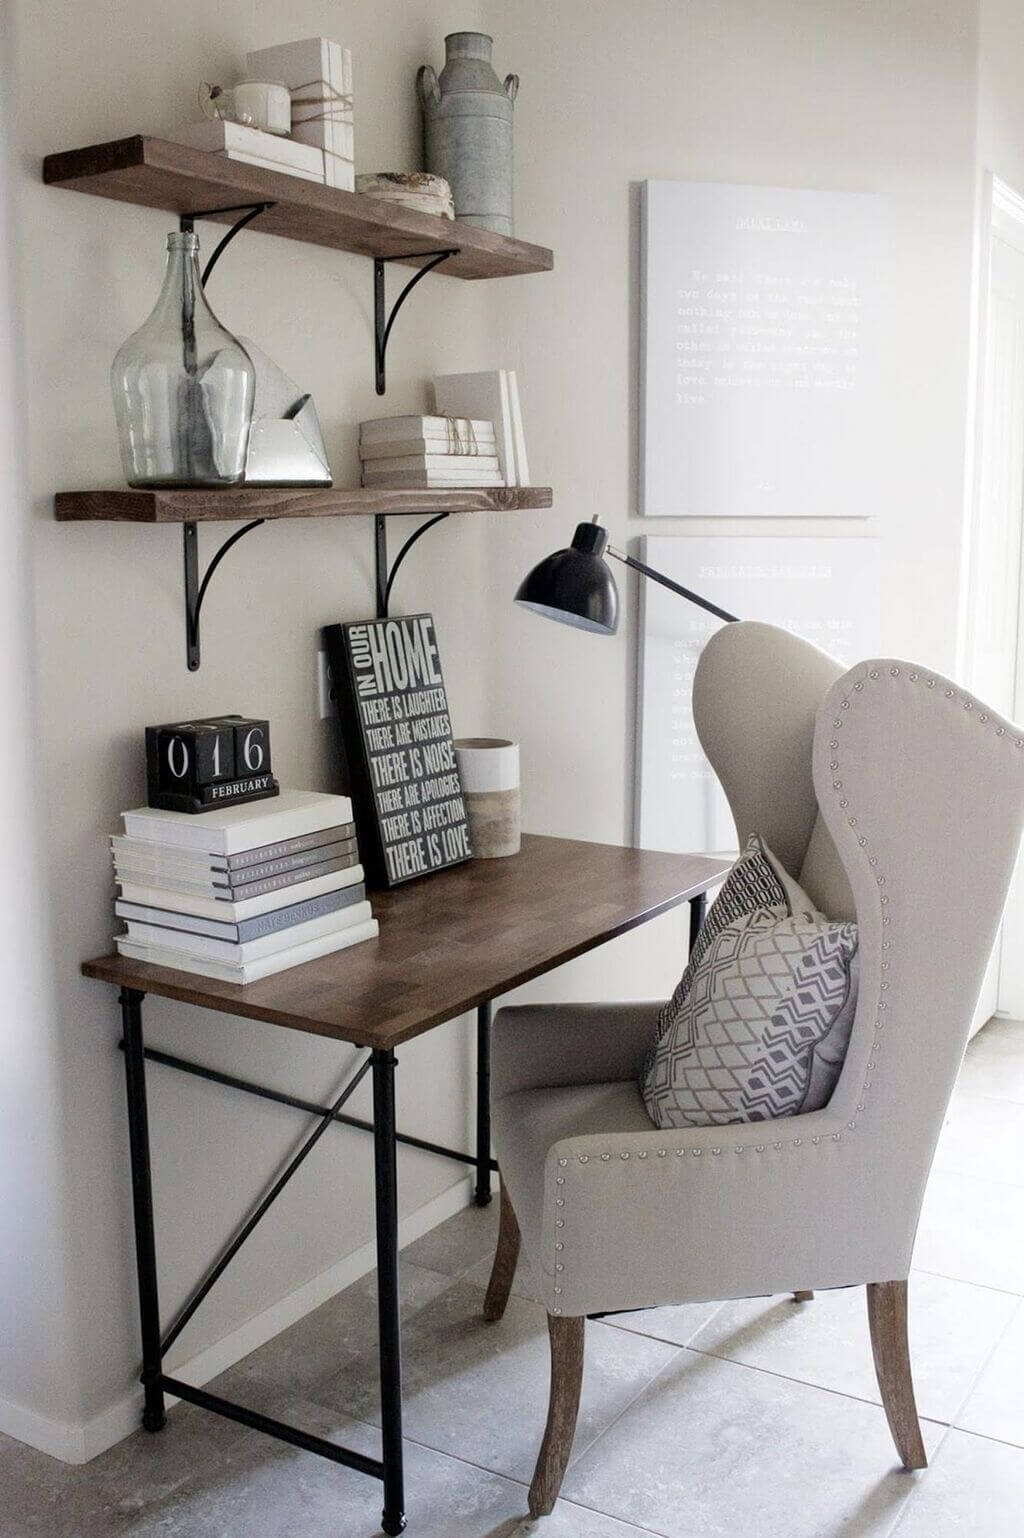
pixel 1000 99
pixel 871 96
pixel 35 1344
pixel 109 656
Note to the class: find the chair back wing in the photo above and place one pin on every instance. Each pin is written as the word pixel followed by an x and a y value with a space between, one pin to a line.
pixel 922 789
pixel 756 694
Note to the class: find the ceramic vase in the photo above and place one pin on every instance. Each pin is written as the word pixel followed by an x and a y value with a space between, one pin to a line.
pixel 489 771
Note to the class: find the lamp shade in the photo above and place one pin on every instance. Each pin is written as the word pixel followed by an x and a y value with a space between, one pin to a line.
pixel 575 586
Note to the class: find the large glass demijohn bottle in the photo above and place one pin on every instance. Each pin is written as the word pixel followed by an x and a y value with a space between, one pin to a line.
pixel 183 387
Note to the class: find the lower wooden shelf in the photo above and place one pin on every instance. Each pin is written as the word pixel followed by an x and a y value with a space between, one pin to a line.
pixel 243 502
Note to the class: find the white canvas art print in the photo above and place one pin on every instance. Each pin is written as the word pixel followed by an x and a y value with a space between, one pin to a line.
pixel 825 590
pixel 762 333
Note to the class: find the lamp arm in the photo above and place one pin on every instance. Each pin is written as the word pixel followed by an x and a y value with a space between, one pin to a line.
pixel 684 592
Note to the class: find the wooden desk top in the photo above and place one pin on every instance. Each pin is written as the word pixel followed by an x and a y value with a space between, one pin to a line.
pixel 450 941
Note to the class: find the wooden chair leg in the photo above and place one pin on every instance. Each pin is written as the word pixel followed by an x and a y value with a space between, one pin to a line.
pixel 505 1257
pixel 803 1297
pixel 887 1319
pixel 566 1336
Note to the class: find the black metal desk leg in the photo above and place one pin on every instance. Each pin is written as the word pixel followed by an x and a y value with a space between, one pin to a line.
pixel 393 1519
pixel 482 1191
pixel 153 1417
pixel 698 907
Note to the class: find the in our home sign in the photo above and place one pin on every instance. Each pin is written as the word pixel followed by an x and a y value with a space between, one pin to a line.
pixel 410 815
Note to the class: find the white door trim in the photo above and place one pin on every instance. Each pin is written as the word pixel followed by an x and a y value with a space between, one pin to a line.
pixel 1000 220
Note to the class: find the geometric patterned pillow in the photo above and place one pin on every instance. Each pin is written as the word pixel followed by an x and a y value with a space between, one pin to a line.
pixel 759 1025
pixel 756 880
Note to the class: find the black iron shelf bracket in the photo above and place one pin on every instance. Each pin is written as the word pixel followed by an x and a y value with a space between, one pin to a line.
pixel 384 580
pixel 382 321
pixel 249 212
pixel 195 590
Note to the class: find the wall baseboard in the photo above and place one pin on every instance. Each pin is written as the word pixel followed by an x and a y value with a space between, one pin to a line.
pixel 66 1442
pixel 74 1443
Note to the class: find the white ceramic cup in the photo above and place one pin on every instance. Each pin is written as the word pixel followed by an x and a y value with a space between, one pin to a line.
pixel 489 770
pixel 264 104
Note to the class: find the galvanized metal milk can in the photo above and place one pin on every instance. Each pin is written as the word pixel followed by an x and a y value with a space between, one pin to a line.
pixel 467 120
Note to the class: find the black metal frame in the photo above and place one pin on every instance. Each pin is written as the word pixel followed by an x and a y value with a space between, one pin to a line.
pixel 382 321
pixel 675 587
pixel 386 1137
pixel 195 591
pixel 381 1063
pixel 384 580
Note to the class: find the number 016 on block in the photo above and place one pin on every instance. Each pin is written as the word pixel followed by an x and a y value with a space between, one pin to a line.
pixel 194 766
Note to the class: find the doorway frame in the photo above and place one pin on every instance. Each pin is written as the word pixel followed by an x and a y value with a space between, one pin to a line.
pixel 1000 217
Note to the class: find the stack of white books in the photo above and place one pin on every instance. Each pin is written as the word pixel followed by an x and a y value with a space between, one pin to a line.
pixel 415 451
pixel 245 891
pixel 493 394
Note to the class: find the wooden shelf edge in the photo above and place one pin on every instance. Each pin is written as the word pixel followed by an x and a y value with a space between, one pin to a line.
pixel 157 173
pixel 244 502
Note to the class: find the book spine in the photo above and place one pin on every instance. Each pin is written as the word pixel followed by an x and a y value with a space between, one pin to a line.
pixel 202 905
pixel 247 857
pixel 414 480
pixel 382 429
pixel 217 877
pixel 370 449
pixel 447 464
pixel 299 913
pixel 306 857
pixel 252 971
pixel 236 953
pixel 167 881
pixel 292 878
pixel 302 172
pixel 188 927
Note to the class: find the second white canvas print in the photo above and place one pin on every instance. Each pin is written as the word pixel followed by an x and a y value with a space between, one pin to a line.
pixel 825 590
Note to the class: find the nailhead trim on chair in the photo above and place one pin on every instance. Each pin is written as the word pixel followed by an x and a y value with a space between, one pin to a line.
pixel 797 1142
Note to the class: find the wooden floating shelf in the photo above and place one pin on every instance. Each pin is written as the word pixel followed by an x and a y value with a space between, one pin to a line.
pixel 157 173
pixel 244 502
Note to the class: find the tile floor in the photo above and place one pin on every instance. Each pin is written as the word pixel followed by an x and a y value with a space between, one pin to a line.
pixel 746 1420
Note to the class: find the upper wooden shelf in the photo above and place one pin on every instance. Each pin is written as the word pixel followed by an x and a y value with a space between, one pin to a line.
pixel 159 174
pixel 241 502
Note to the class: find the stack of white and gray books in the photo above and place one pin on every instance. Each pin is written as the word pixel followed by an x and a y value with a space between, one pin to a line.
pixel 245 891
pixel 420 451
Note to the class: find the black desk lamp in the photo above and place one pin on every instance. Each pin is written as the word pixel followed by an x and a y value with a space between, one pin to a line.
pixel 576 588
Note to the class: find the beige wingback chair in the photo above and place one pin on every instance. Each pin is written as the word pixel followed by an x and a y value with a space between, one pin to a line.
pixel 895 798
